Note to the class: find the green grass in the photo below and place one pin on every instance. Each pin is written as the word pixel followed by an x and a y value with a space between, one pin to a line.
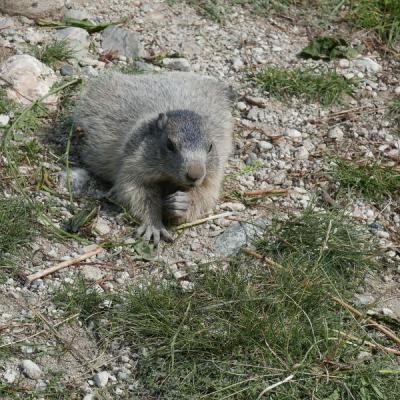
pixel 374 181
pixel 394 109
pixel 6 105
pixel 381 16
pixel 244 328
pixel 327 88
pixel 53 53
pixel 16 224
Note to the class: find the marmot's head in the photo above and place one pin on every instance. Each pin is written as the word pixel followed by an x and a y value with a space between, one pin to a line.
pixel 185 151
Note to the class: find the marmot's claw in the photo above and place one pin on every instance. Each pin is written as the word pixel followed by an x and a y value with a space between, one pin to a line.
pixel 150 231
pixel 176 204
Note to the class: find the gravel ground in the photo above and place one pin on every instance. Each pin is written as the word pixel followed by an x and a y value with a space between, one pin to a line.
pixel 278 145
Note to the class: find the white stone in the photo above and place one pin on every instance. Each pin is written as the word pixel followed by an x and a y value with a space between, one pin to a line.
pixel 89 396
pixel 387 311
pixel 364 299
pixel 241 106
pixel 101 379
pixel 397 90
pixel 366 64
pixel 302 153
pixel 179 64
pixel 102 226
pixel 33 36
pixel 10 375
pixel 292 133
pixel 4 119
pixel 233 206
pixel 77 14
pixel 30 78
pixel 264 145
pixel 383 234
pixel 237 63
pixel 344 63
pixel 336 133
pixel 92 273
pixel 31 370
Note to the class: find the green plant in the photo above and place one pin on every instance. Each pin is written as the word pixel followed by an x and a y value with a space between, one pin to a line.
pixel 327 87
pixel 374 180
pixel 381 16
pixel 53 53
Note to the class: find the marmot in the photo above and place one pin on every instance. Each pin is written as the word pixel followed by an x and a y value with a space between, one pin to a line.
pixel 161 140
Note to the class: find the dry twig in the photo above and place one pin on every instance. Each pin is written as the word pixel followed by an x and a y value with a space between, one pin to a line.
pixel 67 263
pixel 203 220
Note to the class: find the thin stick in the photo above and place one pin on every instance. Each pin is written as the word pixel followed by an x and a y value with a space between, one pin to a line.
pixel 375 324
pixel 269 388
pixel 267 260
pixel 40 332
pixel 67 263
pixel 266 192
pixel 203 220
pixel 368 344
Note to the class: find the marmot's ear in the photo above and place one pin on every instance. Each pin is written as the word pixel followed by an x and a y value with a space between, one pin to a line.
pixel 162 121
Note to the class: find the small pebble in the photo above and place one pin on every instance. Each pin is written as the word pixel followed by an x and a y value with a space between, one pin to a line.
pixel 101 379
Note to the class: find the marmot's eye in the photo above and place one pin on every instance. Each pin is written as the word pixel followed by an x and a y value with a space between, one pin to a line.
pixel 210 148
pixel 170 145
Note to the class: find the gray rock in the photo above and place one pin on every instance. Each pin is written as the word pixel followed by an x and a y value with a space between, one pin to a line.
pixel 33 36
pixel 67 70
pixel 364 356
pixel 31 370
pixel 344 63
pixel 30 79
pixel 89 71
pixel 121 41
pixel 264 145
pixel 179 64
pixel 102 227
pixel 32 9
pixel 364 299
pixel 101 379
pixel 292 133
pixel 366 64
pixel 238 235
pixel 77 14
pixel 6 22
pixel 10 375
pixel 237 64
pixel 4 119
pixel 145 67
pixel 79 179
pixel 302 153
pixel 336 133
pixel 91 273
pixel 241 106
pixel 78 40
pixel 89 396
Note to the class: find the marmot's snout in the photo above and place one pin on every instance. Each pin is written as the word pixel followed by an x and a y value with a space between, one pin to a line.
pixel 196 172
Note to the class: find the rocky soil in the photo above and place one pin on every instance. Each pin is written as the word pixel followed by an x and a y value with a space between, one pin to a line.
pixel 278 145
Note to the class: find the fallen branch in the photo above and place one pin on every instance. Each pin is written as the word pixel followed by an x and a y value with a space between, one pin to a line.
pixel 370 321
pixel 267 192
pixel 61 265
pixel 368 344
pixel 267 260
pixel 203 220
pixel 269 388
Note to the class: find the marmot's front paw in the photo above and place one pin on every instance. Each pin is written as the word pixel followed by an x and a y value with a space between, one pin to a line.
pixel 149 231
pixel 176 205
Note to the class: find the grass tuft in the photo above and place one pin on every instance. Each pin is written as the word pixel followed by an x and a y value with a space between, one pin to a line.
pixel 53 53
pixel 249 326
pixel 394 109
pixel 373 181
pixel 16 224
pixel 327 88
pixel 382 16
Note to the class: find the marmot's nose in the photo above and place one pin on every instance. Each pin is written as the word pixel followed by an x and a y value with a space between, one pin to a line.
pixel 195 172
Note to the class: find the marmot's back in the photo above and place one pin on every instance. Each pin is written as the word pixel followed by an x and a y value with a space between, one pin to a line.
pixel 113 104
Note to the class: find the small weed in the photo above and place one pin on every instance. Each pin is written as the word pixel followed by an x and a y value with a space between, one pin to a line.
pixel 328 48
pixel 214 10
pixel 6 105
pixel 130 69
pixel 327 88
pixel 51 54
pixel 394 109
pixel 381 16
pixel 374 181
pixel 16 224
